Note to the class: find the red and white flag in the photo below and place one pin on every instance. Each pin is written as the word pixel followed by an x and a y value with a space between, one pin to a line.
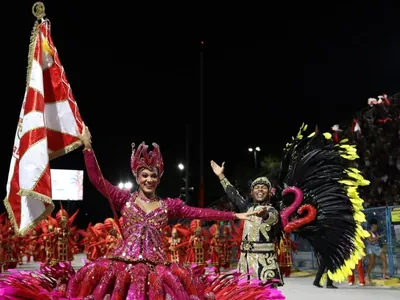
pixel 47 129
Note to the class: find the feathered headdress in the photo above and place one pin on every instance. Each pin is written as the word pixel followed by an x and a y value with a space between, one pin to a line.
pixel 214 229
pixel 179 228
pixel 195 225
pixel 142 159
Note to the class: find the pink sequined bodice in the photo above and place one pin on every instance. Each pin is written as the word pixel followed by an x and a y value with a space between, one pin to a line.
pixel 143 231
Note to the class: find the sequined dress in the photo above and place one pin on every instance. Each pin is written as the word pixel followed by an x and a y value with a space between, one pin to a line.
pixel 139 261
pixel 138 267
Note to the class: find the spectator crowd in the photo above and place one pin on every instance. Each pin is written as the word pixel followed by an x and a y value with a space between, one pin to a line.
pixel 376 132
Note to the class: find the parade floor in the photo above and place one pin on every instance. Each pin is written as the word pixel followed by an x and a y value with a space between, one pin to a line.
pixel 302 288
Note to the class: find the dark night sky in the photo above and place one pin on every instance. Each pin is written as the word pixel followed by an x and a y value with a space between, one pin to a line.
pixel 135 75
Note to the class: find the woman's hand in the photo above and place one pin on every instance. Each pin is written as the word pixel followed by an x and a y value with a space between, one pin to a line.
pixel 263 213
pixel 247 215
pixel 218 170
pixel 86 137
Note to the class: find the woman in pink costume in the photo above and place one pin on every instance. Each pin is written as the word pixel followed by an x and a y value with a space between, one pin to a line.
pixel 138 267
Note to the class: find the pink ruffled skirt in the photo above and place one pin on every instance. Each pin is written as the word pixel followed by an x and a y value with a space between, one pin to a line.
pixel 118 280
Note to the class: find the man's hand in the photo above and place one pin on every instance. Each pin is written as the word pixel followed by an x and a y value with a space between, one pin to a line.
pixel 263 213
pixel 218 170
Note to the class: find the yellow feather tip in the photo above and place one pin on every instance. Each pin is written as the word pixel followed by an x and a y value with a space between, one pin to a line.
pixel 327 135
pixel 351 185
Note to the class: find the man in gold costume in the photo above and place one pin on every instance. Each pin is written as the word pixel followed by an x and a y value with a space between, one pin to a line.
pixel 260 233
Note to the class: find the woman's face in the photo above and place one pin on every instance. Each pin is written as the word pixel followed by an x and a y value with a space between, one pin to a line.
pixel 148 180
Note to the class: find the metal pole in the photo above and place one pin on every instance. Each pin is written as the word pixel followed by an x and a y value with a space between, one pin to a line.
pixel 255 159
pixel 201 192
pixel 388 215
pixel 187 198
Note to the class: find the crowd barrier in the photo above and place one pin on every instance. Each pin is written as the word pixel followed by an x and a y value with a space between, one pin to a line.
pixel 388 218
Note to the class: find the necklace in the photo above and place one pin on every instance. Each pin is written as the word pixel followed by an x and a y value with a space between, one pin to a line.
pixel 147 200
pixel 263 203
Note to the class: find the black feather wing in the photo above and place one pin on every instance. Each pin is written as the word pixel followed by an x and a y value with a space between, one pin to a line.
pixel 322 170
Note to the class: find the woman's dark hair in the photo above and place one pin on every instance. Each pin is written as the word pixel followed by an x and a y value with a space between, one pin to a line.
pixel 373 222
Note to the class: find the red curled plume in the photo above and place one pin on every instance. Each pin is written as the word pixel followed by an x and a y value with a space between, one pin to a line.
pixel 308 218
pixel 142 159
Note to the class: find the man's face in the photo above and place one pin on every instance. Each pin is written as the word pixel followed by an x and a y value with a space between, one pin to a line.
pixel 260 192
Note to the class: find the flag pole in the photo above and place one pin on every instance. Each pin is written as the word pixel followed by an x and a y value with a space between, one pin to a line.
pixel 38 10
pixel 201 192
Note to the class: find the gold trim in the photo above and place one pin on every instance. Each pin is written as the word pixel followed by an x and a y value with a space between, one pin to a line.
pixel 65 150
pixel 31 51
pixel 250 246
pixel 37 180
pixel 11 216
pixel 33 144
pixel 35 195
pixel 225 182
pixel 273 216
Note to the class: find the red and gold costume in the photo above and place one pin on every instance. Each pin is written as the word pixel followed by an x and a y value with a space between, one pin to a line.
pixel 228 243
pixel 177 243
pixel 32 244
pixel 65 245
pixel 112 235
pixel 197 245
pixel 94 241
pixel 9 249
pixel 285 255
pixel 237 232
pixel 46 241
pixel 216 253
pixel 165 240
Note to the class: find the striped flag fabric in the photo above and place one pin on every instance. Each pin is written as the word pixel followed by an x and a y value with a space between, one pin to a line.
pixel 48 127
